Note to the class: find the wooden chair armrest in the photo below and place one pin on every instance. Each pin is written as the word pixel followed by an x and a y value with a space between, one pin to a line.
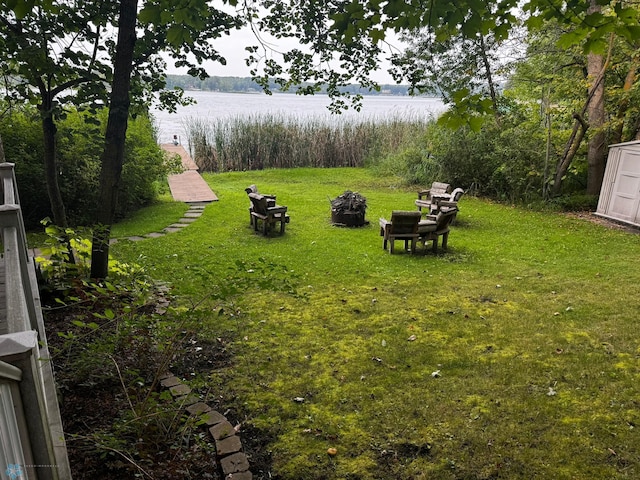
pixel 276 209
pixel 423 193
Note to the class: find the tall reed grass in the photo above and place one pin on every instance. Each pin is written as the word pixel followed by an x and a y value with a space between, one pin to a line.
pixel 277 141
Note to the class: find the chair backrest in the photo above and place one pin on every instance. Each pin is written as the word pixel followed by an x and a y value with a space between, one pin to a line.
pixel 456 194
pixel 259 203
pixel 403 221
pixel 444 219
pixel 439 187
pixel 251 189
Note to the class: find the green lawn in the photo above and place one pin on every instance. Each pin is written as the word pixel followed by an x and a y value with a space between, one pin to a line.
pixel 529 320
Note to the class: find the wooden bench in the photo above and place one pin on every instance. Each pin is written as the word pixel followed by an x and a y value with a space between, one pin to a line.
pixel 265 210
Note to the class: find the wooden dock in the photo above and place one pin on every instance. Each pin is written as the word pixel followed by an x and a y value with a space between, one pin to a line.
pixel 188 186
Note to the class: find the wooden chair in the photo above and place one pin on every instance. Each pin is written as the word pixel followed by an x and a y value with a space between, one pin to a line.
pixel 428 197
pixel 403 226
pixel 263 210
pixel 271 200
pixel 437 226
pixel 446 204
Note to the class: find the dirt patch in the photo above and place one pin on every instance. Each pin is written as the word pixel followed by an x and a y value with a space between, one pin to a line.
pixel 113 430
pixel 605 222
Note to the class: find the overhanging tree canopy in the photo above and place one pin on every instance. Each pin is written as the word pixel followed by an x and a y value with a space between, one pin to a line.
pixel 343 40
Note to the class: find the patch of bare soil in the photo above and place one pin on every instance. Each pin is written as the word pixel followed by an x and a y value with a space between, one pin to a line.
pixel 105 440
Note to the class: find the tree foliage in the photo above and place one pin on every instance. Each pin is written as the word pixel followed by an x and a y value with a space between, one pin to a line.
pixel 344 40
pixel 59 55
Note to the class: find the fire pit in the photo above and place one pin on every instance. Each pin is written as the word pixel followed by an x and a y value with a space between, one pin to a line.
pixel 348 210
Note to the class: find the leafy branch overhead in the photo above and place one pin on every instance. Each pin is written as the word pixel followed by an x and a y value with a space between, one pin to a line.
pixel 345 41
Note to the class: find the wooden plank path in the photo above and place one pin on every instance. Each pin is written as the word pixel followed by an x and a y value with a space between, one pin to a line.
pixel 188 186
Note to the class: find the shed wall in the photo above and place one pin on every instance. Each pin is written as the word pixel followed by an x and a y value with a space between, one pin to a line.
pixel 620 192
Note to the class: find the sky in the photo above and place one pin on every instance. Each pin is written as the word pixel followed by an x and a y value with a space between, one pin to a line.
pixel 232 48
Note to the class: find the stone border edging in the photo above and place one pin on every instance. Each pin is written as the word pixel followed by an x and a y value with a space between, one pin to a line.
pixel 232 461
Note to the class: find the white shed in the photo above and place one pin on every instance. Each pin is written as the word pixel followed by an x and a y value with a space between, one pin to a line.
pixel 620 193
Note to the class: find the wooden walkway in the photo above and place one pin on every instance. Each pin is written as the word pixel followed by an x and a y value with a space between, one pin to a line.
pixel 188 186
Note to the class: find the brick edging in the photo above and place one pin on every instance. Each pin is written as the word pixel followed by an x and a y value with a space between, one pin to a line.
pixel 232 461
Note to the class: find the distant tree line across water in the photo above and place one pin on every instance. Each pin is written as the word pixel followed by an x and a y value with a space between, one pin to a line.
pixel 246 84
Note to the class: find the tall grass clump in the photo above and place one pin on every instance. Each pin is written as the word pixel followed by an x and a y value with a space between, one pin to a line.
pixel 276 141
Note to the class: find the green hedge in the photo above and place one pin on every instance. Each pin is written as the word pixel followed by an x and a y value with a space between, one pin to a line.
pixel 79 146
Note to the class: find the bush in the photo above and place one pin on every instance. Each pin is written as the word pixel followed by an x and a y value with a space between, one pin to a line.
pixel 22 141
pixel 80 145
pixel 504 160
pixel 576 203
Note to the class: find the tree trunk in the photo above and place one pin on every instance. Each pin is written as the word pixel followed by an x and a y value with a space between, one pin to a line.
pixel 597 148
pixel 113 154
pixel 596 77
pixel 571 148
pixel 623 104
pixel 489 77
pixel 51 167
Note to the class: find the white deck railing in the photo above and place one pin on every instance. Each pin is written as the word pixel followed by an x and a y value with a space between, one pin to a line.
pixel 31 440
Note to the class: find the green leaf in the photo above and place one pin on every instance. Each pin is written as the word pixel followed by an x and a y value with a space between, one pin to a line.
pixel 22 9
pixel 459 95
pixel 175 35
pixel 595 45
pixel 475 123
pixel 376 35
pixel 109 314
pixel 630 33
pixel 594 19
pixel 150 14
pixel 572 38
pixel 451 120
pixel 626 15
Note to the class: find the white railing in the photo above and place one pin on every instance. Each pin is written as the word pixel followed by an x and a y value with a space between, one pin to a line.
pixel 29 409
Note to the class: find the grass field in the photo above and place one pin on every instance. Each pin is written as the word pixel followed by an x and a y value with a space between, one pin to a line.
pixel 513 355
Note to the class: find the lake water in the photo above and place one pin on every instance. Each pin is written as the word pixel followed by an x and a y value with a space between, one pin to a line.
pixel 217 105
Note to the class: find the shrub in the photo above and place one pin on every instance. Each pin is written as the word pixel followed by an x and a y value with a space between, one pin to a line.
pixel 22 141
pixel 505 160
pixel 80 145
pixel 576 203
